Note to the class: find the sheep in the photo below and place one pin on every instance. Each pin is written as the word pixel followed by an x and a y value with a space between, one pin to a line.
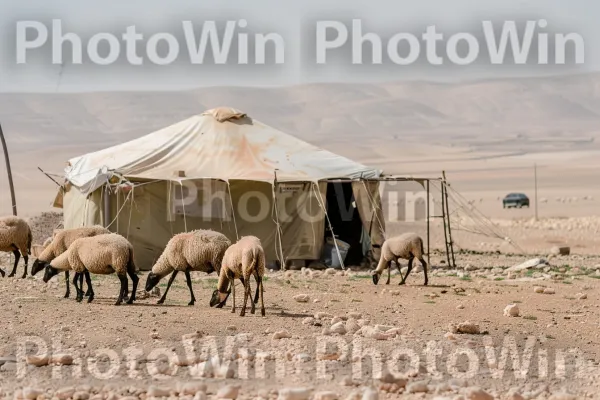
pixel 59 244
pixel 101 254
pixel 407 246
pixel 15 237
pixel 242 260
pixel 199 250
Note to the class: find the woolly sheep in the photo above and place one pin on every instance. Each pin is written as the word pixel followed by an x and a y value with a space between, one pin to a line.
pixel 59 244
pixel 199 250
pixel 407 246
pixel 242 260
pixel 15 237
pixel 101 254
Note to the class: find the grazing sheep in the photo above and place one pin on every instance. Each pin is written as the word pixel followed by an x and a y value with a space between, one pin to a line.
pixel 59 244
pixel 15 237
pixel 103 255
pixel 407 246
pixel 242 260
pixel 199 250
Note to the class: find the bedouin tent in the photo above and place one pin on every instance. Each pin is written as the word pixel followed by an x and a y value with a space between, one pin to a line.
pixel 219 170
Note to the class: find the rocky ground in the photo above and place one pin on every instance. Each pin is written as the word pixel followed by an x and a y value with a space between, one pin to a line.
pixel 499 326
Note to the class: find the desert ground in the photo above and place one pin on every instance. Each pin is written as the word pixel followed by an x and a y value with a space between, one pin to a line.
pixel 488 144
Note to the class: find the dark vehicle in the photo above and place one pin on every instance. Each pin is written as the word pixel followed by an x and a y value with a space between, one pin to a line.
pixel 515 200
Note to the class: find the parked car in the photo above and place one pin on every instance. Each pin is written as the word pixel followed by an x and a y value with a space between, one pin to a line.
pixel 515 200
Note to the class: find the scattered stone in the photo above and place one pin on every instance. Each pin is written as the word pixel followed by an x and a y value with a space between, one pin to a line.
pixel 418 387
pixel 338 328
pixel 192 388
pixel 475 393
pixel 511 310
pixel 538 263
pixel 560 251
pixel 562 396
pixel 355 315
pixel 156 391
pixel 281 335
pixel 326 395
pixel 394 379
pixel 81 395
pixel 370 394
pixel 62 359
pixel 460 307
pixel 294 394
pixel 31 393
pixel 352 326
pixel 513 395
pixel 549 291
pixel 38 361
pixel 581 296
pixel 323 315
pixel 308 321
pixel 538 289
pixel 154 335
pixel 450 336
pixel 465 327
pixel 229 392
pixel 301 298
pixel 231 328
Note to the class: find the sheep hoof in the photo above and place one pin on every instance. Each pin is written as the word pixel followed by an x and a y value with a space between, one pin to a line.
pixel 11 275
pixel 2 273
pixel 91 298
pixel 160 301
pixel 191 303
pixel 66 296
pixel 402 283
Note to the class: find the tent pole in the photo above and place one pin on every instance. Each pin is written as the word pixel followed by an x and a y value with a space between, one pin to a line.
pixel 106 205
pixel 445 225
pixel 449 229
pixel 428 229
pixel 278 233
pixel 9 172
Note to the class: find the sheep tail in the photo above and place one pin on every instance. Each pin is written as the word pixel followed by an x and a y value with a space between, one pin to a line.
pixel 29 240
pixel 130 263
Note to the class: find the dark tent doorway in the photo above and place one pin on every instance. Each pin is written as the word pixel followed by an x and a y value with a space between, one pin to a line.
pixel 345 220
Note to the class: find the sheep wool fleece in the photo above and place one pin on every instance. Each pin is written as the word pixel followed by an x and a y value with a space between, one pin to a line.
pixel 14 230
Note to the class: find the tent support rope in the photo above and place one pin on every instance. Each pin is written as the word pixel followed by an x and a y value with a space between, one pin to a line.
pixel 183 205
pixel 278 232
pixel 233 211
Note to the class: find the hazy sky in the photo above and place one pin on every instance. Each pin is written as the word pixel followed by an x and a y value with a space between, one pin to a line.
pixel 295 22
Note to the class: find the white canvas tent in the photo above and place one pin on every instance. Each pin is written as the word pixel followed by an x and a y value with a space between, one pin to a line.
pixel 219 170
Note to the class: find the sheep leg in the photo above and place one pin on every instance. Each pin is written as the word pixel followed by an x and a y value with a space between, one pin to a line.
pixel 88 281
pixel 123 279
pixel 171 279
pixel 188 279
pixel 252 305
pixel 68 283
pixel 26 259
pixel 257 284
pixel 134 284
pixel 410 263
pixel 78 287
pixel 262 304
pixel 389 268
pixel 17 256
pixel 399 268
pixel 424 264
pixel 2 273
pixel 246 295
pixel 233 294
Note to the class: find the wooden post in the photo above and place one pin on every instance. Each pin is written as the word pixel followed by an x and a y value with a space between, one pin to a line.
pixel 447 212
pixel 9 172
pixel 445 225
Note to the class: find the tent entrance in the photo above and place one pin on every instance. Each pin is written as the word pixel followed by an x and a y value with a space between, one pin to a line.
pixel 345 220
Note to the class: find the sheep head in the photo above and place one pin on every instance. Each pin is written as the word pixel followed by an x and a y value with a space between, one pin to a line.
pixel 38 265
pixel 376 277
pixel 49 273
pixel 152 281
pixel 219 298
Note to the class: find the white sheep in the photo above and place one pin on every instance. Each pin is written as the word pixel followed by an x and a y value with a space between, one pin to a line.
pixel 15 237
pixel 199 250
pixel 242 260
pixel 59 244
pixel 407 246
pixel 101 254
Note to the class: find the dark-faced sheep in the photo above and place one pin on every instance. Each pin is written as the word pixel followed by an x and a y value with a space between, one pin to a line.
pixel 15 237
pixel 242 260
pixel 407 246
pixel 199 250
pixel 59 244
pixel 103 255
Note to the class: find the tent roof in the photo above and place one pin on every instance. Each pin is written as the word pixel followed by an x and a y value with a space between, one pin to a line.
pixel 221 143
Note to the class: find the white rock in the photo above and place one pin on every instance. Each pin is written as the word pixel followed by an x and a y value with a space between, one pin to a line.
pixel 31 393
pixel 418 387
pixel 549 291
pixel 281 335
pixel 323 315
pixel 460 307
pixel 355 315
pixel 535 263
pixel 581 296
pixel 467 327
pixel 294 394
pixel 326 395
pixel 62 359
pixel 370 394
pixel 338 328
pixel 65 393
pixel 301 298
pixel 475 393
pixel 192 388
pixel 308 321
pixel 229 392
pixel 156 391
pixel 511 310
pixel 352 326
pixel 513 395
pixel 562 396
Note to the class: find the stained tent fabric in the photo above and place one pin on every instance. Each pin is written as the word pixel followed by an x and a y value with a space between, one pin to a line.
pixel 221 144
pixel 254 179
